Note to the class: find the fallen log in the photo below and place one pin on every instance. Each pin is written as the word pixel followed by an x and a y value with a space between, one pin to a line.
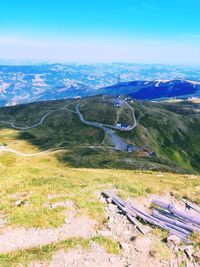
pixel 170 215
pixel 177 212
pixel 190 205
pixel 134 221
pixel 186 226
pixel 131 212
pixel 181 235
pixel 150 219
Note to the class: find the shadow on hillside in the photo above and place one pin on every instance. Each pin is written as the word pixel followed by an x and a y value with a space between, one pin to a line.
pixel 80 156
pixel 100 158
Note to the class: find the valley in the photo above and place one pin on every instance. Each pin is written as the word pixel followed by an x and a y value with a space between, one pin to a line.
pixel 24 84
pixel 158 135
pixel 57 157
pixel 100 133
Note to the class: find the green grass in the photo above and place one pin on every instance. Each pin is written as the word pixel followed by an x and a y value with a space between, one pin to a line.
pixel 94 109
pixel 45 253
pixel 32 179
pixel 171 130
pixel 79 173
pixel 108 244
pixel 160 251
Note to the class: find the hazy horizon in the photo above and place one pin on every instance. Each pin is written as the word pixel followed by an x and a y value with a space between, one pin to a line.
pixel 143 32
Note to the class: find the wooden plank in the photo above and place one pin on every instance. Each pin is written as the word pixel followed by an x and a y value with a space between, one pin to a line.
pixel 132 211
pixel 177 212
pixel 186 226
pixel 134 221
pixel 150 219
pixel 192 206
pixel 170 215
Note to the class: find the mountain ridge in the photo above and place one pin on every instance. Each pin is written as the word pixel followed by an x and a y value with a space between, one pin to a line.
pixel 25 84
pixel 169 130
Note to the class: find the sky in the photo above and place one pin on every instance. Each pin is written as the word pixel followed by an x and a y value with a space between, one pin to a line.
pixel 87 31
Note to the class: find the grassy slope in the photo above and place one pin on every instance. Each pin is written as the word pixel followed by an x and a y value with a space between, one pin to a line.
pixel 60 129
pixel 171 130
pixel 32 179
pixel 94 109
pixel 45 175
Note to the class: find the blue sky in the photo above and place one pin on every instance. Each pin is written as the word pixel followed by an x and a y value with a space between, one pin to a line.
pixel 145 31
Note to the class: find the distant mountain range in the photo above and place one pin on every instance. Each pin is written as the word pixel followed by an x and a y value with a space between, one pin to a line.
pixel 150 90
pixel 23 84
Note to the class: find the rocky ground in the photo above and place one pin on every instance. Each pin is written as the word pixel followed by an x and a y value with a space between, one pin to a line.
pixel 137 249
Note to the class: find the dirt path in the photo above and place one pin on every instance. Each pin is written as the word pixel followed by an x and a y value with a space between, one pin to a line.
pixel 118 142
pixel 136 249
pixel 95 257
pixel 5 149
pixel 21 238
pixel 37 124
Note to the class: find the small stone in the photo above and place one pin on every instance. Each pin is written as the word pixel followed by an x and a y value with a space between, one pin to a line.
pixel 173 240
pixel 86 263
pixel 138 250
pixel 111 219
pixel 51 196
pixel 124 246
pixel 196 256
pixel 19 203
pixel 46 205
pixel 27 204
pixel 102 200
pixel 123 260
pixel 176 249
pixel 64 204
pixel 66 221
pixel 113 259
pixel 133 238
pixel 152 253
pixel 127 232
pixel 2 222
pixel 146 229
pixel 189 252
pixel 109 200
pixel 112 207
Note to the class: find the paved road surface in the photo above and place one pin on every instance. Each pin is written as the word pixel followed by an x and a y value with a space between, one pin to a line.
pixel 118 143
pixel 37 124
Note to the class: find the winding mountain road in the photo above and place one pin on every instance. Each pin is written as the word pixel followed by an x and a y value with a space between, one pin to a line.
pixel 10 150
pixel 117 142
pixel 37 124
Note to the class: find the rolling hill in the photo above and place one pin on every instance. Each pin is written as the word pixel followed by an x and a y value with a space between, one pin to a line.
pixel 57 157
pixel 166 135
pixel 150 90
pixel 25 84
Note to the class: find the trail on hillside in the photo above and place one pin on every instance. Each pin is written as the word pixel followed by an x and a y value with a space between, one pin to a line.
pixel 37 124
pixel 117 142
